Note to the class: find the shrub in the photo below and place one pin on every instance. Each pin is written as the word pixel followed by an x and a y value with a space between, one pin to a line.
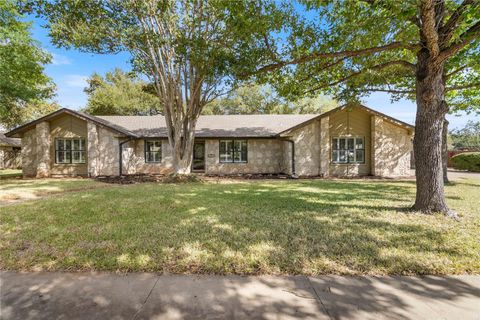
pixel 467 161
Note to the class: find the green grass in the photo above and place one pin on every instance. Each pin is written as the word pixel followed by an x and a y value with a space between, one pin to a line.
pixel 260 227
pixel 10 173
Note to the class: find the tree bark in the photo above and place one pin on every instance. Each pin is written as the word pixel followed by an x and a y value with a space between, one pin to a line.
pixel 431 110
pixel 445 151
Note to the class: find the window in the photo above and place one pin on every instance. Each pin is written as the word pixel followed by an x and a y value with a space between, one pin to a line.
pixel 348 150
pixel 234 151
pixel 70 150
pixel 153 150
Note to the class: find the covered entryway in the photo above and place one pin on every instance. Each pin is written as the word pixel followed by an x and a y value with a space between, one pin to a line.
pixel 198 163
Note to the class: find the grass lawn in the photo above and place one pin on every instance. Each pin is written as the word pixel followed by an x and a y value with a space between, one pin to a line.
pixel 12 191
pixel 10 173
pixel 253 227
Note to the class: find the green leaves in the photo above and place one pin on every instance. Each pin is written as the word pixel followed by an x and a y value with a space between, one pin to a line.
pixel 120 93
pixel 22 77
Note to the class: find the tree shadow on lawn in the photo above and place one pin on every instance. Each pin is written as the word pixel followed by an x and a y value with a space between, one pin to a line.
pixel 295 228
pixel 255 228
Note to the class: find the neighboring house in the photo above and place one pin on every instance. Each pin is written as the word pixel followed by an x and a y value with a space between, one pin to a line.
pixel 10 157
pixel 347 141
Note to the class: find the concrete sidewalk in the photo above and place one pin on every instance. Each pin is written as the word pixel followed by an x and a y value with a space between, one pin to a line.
pixel 149 296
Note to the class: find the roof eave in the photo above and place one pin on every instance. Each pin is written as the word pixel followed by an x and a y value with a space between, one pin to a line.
pixel 24 127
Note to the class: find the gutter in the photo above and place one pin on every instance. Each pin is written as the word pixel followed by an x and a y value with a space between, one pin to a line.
pixel 120 158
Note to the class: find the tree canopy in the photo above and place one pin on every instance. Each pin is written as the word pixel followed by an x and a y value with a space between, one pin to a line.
pixel 121 93
pixel 425 50
pixel 23 82
pixel 257 99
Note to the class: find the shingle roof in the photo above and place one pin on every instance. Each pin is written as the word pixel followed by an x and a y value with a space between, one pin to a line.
pixel 214 126
pixel 14 142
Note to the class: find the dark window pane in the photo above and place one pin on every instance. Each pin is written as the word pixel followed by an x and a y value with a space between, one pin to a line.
pixel 342 156
pixel 335 143
pixel 359 143
pixel 76 144
pixel 335 156
pixel 342 144
pixel 351 156
pixel 350 143
pixel 360 154
pixel 68 144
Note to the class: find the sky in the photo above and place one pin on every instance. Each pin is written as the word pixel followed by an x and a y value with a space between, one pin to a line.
pixel 70 69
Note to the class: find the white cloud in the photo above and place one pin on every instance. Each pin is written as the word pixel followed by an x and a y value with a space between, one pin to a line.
pixel 59 60
pixel 76 80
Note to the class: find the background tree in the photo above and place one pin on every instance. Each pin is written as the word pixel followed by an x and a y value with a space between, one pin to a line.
pixel 257 99
pixel 121 93
pixel 20 114
pixel 425 50
pixel 190 49
pixel 23 83
pixel 467 137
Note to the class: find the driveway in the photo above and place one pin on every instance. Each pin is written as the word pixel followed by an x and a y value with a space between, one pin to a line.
pixel 456 174
pixel 148 296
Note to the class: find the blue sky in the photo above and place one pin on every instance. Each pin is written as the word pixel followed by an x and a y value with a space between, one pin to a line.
pixel 70 68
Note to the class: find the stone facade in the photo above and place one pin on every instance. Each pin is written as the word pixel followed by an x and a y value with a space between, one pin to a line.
pixel 29 153
pixel 43 149
pixel 133 158
pixel 264 156
pixel 108 151
pixel 307 149
pixel 325 146
pixel 387 149
pixel 92 149
pixel 392 147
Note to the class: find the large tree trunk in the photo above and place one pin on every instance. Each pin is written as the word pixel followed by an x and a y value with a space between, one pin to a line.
pixel 431 110
pixel 445 151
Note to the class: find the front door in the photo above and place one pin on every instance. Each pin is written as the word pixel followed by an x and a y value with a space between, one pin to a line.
pixel 198 164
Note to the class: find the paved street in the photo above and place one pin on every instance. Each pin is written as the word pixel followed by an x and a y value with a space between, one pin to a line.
pixel 148 296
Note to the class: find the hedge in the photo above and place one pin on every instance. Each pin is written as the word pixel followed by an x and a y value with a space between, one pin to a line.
pixel 467 161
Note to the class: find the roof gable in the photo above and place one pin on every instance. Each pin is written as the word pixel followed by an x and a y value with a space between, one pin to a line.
pixel 21 129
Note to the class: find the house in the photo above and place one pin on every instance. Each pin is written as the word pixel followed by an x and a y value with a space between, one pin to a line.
pixel 351 140
pixel 10 157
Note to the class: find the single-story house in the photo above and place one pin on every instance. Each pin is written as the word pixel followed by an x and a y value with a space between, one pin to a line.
pixel 10 157
pixel 349 140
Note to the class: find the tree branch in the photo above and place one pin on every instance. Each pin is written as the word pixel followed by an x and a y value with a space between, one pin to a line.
pixel 446 31
pixel 454 72
pixel 341 54
pixel 388 90
pixel 462 87
pixel 465 38
pixel 409 65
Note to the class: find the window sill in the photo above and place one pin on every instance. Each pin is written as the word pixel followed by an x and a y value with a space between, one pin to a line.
pixel 347 164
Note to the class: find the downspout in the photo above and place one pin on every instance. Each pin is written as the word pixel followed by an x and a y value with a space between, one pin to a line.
pixel 120 158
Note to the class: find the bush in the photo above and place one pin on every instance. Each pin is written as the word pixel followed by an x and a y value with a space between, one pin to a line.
pixel 467 161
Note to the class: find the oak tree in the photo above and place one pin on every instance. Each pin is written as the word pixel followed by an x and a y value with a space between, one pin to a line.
pixel 425 50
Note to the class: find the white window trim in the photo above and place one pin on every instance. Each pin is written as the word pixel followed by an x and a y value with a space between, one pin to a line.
pixel 355 162
pixel 233 141
pixel 82 149
pixel 160 151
